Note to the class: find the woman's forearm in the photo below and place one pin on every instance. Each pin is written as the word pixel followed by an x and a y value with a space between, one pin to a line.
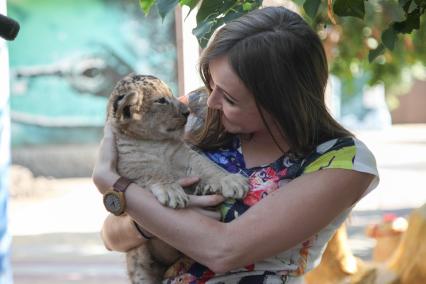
pixel 226 246
pixel 173 226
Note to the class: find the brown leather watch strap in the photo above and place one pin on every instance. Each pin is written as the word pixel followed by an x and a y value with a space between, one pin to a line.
pixel 121 184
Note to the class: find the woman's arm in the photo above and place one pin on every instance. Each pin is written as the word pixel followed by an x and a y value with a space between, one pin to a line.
pixel 276 223
pixel 119 233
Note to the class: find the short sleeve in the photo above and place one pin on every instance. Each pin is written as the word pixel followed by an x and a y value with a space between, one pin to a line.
pixel 343 153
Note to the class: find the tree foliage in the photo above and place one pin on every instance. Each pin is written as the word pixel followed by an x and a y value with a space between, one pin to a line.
pixel 381 38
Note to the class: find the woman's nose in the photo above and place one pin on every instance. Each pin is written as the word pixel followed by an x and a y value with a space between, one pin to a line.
pixel 213 101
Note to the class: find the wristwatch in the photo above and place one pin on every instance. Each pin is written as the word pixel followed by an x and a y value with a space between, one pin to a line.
pixel 114 200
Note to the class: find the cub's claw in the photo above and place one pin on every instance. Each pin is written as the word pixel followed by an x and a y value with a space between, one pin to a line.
pixel 234 186
pixel 207 188
pixel 170 195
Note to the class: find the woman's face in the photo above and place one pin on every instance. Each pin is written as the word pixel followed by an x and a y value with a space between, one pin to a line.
pixel 236 103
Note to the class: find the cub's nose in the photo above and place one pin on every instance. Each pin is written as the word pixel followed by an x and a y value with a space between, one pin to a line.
pixel 185 113
pixel 184 110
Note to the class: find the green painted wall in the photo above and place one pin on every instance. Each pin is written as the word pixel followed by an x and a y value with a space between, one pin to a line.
pixel 67 58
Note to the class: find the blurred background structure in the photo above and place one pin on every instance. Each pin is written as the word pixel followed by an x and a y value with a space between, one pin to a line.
pixel 5 236
pixel 67 59
pixel 63 65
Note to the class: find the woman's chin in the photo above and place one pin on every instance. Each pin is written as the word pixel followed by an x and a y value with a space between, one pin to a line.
pixel 233 130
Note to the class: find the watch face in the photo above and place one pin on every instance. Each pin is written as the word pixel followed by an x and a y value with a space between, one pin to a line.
pixel 112 203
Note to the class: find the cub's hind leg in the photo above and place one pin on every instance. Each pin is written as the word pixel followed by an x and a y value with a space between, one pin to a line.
pixel 142 268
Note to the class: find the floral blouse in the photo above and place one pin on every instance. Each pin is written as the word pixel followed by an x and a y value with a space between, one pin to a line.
pixel 287 266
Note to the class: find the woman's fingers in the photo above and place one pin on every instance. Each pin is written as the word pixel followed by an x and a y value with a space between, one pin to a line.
pixel 205 200
pixel 107 149
pixel 199 203
pixel 188 181
pixel 108 130
pixel 104 172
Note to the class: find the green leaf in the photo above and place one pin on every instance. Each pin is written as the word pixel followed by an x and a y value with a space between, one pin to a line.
pixel 209 7
pixel 402 3
pixel 354 8
pixel 233 14
pixel 238 10
pixel 190 3
pixel 213 14
pixel 388 38
pixel 202 28
pixel 165 6
pixel 247 6
pixel 146 5
pixel 205 29
pixel 405 4
pixel 412 22
pixel 311 7
pixel 412 7
pixel 376 52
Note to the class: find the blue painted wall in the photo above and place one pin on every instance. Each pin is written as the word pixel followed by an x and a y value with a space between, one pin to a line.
pixel 68 57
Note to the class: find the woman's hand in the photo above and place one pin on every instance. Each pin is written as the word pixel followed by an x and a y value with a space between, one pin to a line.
pixel 120 234
pixel 202 204
pixel 105 173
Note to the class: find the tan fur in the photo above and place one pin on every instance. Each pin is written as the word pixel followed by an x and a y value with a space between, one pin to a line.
pixel 149 123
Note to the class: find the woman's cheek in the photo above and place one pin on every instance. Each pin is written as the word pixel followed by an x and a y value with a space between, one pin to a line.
pixel 231 113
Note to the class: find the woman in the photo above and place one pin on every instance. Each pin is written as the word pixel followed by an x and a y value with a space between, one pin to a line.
pixel 266 73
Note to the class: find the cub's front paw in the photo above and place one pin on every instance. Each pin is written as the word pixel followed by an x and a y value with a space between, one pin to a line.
pixel 204 188
pixel 170 195
pixel 234 186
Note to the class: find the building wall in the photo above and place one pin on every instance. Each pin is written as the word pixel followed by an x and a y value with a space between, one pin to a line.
pixel 68 57
pixel 412 106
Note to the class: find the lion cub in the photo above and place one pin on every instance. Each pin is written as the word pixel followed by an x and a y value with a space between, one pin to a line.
pixel 149 122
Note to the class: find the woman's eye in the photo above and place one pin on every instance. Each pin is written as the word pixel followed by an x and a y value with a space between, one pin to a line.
pixel 229 101
pixel 161 101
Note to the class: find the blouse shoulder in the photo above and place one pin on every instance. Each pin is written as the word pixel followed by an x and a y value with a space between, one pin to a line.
pixel 341 153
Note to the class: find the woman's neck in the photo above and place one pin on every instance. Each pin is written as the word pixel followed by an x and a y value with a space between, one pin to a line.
pixel 261 148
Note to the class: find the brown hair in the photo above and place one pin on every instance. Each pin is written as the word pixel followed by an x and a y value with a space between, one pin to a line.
pixel 281 60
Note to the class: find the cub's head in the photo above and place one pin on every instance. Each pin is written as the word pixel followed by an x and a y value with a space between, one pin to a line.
pixel 143 107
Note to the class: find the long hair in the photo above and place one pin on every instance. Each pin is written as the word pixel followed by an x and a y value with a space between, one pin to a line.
pixel 281 60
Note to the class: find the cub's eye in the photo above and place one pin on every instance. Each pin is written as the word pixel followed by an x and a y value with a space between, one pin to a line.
pixel 161 101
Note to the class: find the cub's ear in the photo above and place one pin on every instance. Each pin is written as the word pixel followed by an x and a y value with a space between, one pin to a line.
pixel 126 105
pixel 116 100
